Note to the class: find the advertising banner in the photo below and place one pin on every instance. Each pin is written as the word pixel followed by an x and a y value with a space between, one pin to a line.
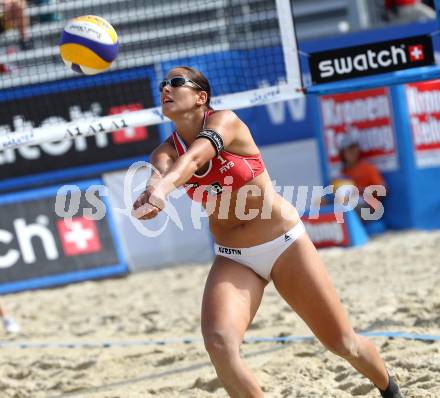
pixel 371 59
pixel 366 117
pixel 39 248
pixel 63 102
pixel 330 226
pixel 423 101
pixel 325 231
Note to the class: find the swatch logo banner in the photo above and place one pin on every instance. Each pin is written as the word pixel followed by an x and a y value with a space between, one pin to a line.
pixel 36 243
pixel 371 59
pixel 76 105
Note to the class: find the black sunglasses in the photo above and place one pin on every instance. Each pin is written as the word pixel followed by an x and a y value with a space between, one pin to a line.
pixel 177 82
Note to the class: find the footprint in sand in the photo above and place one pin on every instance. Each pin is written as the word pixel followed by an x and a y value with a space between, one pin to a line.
pixel 207 385
pixel 346 386
pixel 342 376
pixel 169 360
pixel 84 365
pixel 362 390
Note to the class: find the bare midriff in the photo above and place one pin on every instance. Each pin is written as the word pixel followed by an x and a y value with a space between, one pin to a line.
pixel 251 215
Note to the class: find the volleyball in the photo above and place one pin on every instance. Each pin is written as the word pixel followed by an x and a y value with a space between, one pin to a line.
pixel 88 44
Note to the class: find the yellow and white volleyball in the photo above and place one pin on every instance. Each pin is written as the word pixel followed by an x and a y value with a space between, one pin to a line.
pixel 88 44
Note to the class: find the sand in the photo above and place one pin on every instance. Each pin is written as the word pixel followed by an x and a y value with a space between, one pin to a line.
pixel 390 284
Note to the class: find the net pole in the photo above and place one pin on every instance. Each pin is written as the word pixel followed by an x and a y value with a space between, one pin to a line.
pixel 289 43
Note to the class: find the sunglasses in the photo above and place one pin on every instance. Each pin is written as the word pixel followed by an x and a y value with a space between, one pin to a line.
pixel 177 82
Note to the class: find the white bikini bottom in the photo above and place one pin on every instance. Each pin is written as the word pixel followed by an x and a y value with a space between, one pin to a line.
pixel 261 258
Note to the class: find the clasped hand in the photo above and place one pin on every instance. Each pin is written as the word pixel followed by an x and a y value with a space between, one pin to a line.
pixel 148 204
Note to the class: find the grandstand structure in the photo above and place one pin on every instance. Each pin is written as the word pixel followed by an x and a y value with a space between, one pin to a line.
pixel 147 37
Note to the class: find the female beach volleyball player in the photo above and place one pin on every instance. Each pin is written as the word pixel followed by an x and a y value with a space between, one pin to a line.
pixel 259 236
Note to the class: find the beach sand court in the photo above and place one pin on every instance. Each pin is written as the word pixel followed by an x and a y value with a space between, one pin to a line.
pixel 390 284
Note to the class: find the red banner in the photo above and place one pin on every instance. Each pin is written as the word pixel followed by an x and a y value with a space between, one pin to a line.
pixel 424 109
pixel 325 231
pixel 365 115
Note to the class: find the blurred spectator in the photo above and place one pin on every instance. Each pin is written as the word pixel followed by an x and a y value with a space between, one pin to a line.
pixel 356 172
pixel 9 67
pixel 9 323
pixel 13 15
pixel 50 16
pixel 405 11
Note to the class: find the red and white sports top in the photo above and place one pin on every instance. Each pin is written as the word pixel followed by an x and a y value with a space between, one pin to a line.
pixel 226 169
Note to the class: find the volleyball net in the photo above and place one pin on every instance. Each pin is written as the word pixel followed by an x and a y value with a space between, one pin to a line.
pixel 246 48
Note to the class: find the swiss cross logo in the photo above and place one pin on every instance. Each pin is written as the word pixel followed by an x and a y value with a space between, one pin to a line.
pixel 130 134
pixel 416 53
pixel 79 236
